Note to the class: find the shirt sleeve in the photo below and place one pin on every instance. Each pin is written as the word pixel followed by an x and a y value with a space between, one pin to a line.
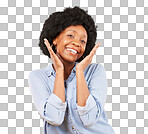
pixel 90 103
pixel 49 106
pixel 94 107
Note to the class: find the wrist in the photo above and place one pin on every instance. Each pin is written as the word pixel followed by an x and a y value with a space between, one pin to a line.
pixel 79 71
pixel 79 68
pixel 60 71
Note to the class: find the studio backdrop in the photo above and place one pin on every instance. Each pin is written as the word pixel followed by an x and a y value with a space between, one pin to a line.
pixel 123 33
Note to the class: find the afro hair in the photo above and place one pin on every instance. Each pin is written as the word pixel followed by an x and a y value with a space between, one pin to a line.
pixel 59 21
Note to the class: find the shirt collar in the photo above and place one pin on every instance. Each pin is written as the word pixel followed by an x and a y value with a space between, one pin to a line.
pixel 50 70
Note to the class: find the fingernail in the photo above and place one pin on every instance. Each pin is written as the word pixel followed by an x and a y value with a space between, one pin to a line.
pixel 45 42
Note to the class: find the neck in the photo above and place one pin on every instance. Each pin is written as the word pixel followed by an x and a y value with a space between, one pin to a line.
pixel 67 69
pixel 68 66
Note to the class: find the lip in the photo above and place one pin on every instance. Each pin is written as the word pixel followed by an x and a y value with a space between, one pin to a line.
pixel 72 52
pixel 73 49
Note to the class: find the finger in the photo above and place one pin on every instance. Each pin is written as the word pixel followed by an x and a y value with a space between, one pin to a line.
pixel 47 43
pixel 48 46
pixel 52 53
pixel 97 45
pixel 94 50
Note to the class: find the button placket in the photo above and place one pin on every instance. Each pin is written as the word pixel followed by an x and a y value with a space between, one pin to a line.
pixel 70 119
pixel 71 77
pixel 74 129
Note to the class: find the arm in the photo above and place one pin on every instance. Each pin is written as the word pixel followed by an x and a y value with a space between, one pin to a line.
pixel 49 105
pixel 82 89
pixel 59 82
pixel 93 102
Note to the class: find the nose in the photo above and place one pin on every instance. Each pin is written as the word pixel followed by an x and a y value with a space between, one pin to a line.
pixel 75 43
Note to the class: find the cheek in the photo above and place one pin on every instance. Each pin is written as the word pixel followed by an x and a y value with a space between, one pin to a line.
pixel 63 42
pixel 83 49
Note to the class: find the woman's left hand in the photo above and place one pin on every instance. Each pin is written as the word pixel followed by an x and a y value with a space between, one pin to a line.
pixel 88 59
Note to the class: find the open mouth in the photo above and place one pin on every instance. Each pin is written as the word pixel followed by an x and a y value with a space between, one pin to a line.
pixel 72 51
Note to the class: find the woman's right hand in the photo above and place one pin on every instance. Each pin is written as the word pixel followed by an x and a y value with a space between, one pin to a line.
pixel 58 65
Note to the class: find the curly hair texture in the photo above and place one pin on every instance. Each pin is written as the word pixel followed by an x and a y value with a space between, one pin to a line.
pixel 59 21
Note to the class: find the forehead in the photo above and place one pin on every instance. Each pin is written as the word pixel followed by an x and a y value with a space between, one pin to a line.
pixel 78 29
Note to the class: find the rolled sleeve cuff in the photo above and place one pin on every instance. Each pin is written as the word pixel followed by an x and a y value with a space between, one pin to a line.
pixel 90 103
pixel 57 102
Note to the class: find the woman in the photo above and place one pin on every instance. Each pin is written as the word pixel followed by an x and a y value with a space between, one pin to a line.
pixel 70 93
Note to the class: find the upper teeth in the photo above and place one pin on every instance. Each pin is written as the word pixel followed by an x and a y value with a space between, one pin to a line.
pixel 72 50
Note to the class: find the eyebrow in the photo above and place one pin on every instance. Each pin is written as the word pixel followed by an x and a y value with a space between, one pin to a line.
pixel 76 32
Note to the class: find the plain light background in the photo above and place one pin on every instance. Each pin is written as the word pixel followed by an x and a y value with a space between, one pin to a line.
pixel 123 33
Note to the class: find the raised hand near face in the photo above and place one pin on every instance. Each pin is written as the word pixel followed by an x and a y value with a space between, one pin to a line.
pixel 88 59
pixel 58 65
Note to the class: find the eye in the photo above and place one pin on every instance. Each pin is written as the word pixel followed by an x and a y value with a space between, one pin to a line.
pixel 83 41
pixel 71 36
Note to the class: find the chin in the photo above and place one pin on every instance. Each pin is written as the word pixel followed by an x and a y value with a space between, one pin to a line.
pixel 71 61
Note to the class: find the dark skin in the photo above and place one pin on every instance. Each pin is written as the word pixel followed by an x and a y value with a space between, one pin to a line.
pixel 67 67
pixel 72 37
pixel 63 61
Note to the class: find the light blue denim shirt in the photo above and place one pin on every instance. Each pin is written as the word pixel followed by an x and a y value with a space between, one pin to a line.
pixel 68 117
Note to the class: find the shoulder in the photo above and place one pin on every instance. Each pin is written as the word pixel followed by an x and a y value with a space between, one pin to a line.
pixel 93 70
pixel 39 73
pixel 94 67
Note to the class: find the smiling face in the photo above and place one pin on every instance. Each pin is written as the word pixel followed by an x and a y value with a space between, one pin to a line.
pixel 71 43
